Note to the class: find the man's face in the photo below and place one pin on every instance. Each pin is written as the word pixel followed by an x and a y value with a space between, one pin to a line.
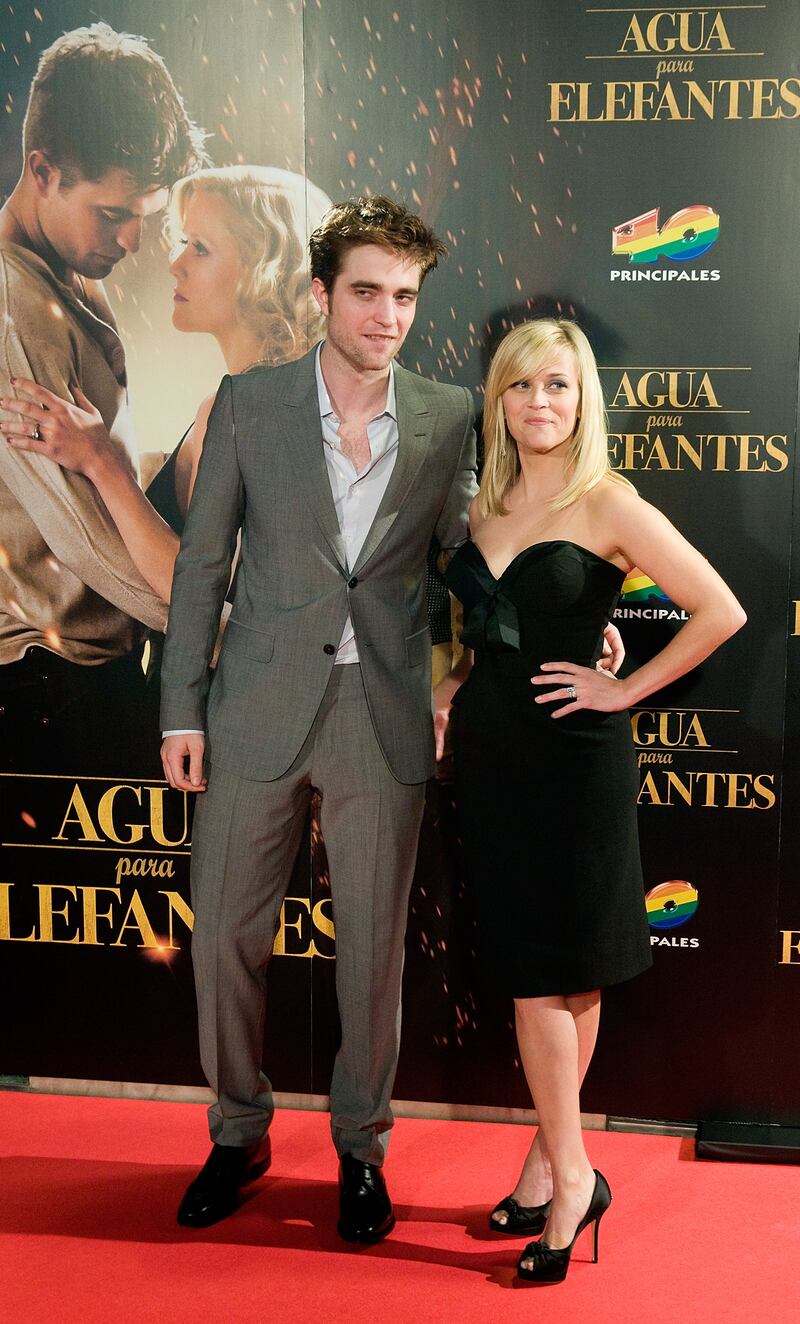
pixel 91 225
pixel 370 306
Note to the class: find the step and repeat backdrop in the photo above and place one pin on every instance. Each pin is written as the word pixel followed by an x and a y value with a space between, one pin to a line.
pixel 634 167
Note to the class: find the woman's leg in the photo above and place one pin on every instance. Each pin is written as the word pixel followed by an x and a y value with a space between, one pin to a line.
pixel 556 1037
pixel 535 1184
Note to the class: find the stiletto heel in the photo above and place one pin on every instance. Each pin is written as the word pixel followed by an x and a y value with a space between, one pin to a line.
pixel 550 1263
pixel 522 1220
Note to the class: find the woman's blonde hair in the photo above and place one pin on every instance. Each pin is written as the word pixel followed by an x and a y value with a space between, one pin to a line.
pixel 273 211
pixel 522 353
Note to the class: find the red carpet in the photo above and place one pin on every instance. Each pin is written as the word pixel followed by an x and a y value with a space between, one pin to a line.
pixel 89 1187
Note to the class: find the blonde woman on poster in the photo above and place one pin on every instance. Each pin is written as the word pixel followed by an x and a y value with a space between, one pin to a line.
pixel 545 768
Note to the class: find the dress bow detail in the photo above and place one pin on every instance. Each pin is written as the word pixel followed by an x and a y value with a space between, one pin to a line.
pixel 493 624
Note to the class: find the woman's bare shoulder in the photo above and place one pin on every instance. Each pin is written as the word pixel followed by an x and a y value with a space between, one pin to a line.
pixel 196 434
pixel 476 519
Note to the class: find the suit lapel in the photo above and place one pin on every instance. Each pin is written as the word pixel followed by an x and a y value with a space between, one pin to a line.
pixel 415 426
pixel 298 417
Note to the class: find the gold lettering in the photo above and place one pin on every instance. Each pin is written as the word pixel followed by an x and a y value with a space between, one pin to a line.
pixel 560 96
pixel 734 86
pixel 775 453
pixel 583 105
pixel 617 96
pixel 709 790
pixel 795 632
pixel 652 34
pixel 739 787
pixel 82 818
pixel 718 31
pixel 5 917
pixel 642 98
pixel 648 791
pixel 749 448
pixel 635 35
pixel 91 914
pixel 669 100
pixel 791 943
pixel 684 789
pixel 703 100
pixel 136 919
pixel 695 732
pixel 47 913
pixel 177 906
pixel 721 439
pixel 764 95
pixel 156 794
pixel 792 96
pixel 625 393
pixel 669 729
pixel 658 457
pixel 685 448
pixel 705 393
pixel 761 788
pixel 323 924
pixel 105 815
pixel 651 99
pixel 303 913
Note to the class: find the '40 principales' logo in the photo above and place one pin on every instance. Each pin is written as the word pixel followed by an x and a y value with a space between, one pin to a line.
pixel 643 600
pixel 686 236
pixel 669 906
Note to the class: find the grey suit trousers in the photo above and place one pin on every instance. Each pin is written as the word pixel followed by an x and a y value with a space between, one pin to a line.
pixel 246 836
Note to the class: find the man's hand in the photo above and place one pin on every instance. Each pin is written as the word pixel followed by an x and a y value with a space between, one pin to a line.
pixel 175 751
pixel 613 654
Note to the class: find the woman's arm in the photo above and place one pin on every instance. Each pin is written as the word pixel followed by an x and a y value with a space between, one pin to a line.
pixel 74 436
pixel 645 538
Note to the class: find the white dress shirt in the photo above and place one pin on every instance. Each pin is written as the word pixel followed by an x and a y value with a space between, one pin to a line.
pixel 356 496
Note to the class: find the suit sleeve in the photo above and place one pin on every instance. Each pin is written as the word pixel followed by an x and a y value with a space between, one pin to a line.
pixel 202 571
pixel 452 527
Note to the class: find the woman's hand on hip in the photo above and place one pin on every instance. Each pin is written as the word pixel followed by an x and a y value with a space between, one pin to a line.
pixel 580 687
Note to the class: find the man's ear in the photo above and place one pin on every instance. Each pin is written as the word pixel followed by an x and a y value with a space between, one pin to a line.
pixel 321 295
pixel 45 175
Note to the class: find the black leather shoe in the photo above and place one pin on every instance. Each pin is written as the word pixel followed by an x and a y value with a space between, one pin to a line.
pixel 214 1193
pixel 365 1210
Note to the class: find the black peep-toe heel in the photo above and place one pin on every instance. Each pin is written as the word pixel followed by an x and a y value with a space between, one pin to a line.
pixel 550 1264
pixel 522 1221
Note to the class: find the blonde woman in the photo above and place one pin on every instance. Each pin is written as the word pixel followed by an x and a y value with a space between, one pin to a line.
pixel 241 270
pixel 544 760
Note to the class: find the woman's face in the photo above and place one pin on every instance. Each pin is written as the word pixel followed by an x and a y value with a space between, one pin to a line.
pixel 541 410
pixel 207 269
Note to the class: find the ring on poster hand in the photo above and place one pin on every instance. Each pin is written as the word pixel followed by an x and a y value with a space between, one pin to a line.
pixel 572 693
pixel 36 434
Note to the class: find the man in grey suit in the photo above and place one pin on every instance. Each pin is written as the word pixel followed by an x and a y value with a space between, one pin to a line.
pixel 338 469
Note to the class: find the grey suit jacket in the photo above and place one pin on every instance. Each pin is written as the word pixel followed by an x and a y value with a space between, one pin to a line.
pixel 263 470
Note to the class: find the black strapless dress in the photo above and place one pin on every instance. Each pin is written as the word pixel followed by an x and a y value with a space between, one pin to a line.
pixel 547 806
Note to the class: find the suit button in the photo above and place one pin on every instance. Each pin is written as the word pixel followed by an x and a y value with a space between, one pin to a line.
pixel 330 649
pixel 351 583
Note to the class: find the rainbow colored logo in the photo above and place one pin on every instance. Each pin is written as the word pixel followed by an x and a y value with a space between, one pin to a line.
pixel 640 588
pixel 687 234
pixel 671 904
